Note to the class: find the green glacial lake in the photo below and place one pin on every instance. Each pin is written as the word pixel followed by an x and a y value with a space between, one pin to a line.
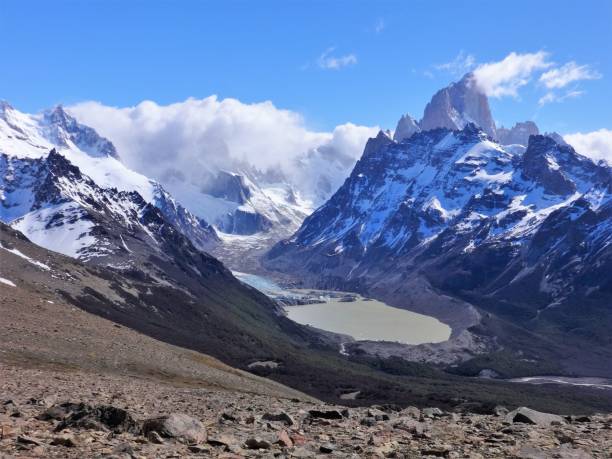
pixel 371 320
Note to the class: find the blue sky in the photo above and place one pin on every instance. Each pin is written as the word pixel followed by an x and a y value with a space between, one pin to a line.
pixel 366 62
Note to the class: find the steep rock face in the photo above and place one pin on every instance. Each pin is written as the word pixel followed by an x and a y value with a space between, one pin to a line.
pixel 406 127
pixel 457 105
pixel 518 234
pixel 229 186
pixel 517 135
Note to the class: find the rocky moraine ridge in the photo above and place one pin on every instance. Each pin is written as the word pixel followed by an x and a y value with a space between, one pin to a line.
pixel 44 413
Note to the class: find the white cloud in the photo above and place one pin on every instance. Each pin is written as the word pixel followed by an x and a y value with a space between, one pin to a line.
pixel 551 96
pixel 562 76
pixel 327 61
pixel 190 139
pixel 461 64
pixel 504 78
pixel 596 144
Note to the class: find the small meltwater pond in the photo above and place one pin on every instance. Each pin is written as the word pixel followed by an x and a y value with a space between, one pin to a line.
pixel 371 320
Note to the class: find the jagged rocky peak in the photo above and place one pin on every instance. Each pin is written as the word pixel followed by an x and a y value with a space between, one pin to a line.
pixel 4 106
pixel 63 128
pixel 406 127
pixel 457 105
pixel 229 186
pixel 374 144
pixel 541 164
pixel 557 138
pixel 517 134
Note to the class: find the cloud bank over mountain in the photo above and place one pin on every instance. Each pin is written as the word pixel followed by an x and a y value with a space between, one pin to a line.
pixel 596 144
pixel 194 137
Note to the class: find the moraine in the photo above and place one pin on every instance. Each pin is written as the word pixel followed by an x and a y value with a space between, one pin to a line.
pixel 353 315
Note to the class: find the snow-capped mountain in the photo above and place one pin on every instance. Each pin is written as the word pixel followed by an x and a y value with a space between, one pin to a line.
pixel 245 203
pixel 54 172
pixel 523 233
pixel 408 196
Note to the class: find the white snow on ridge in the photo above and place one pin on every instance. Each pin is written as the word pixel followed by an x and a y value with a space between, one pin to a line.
pixel 68 236
pixel 29 136
pixel 7 282
pixel 28 259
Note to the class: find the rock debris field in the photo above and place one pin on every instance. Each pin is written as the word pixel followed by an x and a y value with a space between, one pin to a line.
pixel 47 413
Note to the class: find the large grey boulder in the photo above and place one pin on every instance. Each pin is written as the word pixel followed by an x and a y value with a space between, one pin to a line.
pixel 181 427
pixel 528 416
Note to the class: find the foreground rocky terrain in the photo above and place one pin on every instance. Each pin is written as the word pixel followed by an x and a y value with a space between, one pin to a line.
pixel 75 414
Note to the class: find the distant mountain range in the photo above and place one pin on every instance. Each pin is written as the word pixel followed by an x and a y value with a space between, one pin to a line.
pixel 503 233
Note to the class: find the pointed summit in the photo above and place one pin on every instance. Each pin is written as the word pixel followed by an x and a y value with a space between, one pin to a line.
pixel 518 134
pixel 457 105
pixel 62 128
pixel 406 127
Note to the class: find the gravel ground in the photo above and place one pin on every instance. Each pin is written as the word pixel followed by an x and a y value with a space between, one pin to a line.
pixel 232 424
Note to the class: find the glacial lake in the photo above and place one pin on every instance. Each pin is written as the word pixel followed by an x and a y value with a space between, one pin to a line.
pixel 371 320
pixel 363 319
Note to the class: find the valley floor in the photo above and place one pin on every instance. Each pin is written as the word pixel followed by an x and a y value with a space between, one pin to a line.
pixel 236 424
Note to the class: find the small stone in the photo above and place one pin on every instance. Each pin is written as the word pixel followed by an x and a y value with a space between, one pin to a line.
pixel 298 439
pixel 154 437
pixel 198 449
pixel 432 412
pixel 222 440
pixel 325 414
pixel 500 411
pixel 378 415
pixel 124 448
pixel 411 411
pixel 284 440
pixel 302 453
pixel 64 440
pixel 279 417
pixel 326 448
pixel 6 431
pixel 225 416
pixel 257 443
pixel 368 422
pixel 25 440
pixel 437 451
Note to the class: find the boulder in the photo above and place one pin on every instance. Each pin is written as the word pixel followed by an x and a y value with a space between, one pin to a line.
pixel 284 440
pixel 411 411
pixel 257 443
pixel 101 417
pixel 409 424
pixel 528 416
pixel 179 426
pixel 325 414
pixel 431 412
pixel 279 417
pixel 377 414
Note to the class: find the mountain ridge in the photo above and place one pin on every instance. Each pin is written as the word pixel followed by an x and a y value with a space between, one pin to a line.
pixel 457 209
